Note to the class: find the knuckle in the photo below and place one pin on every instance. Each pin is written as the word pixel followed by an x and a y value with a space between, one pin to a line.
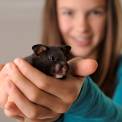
pixel 10 68
pixel 71 96
pixel 8 113
pixel 62 108
pixel 34 96
pixel 44 82
pixel 44 85
pixel 10 65
pixel 33 114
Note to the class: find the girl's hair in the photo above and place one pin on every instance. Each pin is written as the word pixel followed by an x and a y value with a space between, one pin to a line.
pixel 109 49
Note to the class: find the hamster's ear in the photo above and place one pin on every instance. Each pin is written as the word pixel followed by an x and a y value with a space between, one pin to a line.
pixel 66 49
pixel 39 48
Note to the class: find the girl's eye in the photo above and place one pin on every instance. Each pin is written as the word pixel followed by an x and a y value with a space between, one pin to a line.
pixel 52 58
pixel 69 13
pixel 97 12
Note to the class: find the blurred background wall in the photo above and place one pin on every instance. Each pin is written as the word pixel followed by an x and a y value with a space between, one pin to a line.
pixel 19 30
pixel 19 27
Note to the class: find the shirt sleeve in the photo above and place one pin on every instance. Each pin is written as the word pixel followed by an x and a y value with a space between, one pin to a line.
pixel 117 98
pixel 92 106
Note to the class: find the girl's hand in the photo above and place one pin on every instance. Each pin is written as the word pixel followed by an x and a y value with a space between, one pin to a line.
pixel 3 93
pixel 42 97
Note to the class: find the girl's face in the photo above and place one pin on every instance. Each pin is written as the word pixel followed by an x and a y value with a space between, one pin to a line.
pixel 82 24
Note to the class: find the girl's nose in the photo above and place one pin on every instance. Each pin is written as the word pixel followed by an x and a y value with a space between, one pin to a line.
pixel 82 24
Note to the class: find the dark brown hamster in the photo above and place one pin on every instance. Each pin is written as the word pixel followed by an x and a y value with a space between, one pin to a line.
pixel 52 60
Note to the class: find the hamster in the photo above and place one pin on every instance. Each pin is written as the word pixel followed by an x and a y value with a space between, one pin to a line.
pixel 51 60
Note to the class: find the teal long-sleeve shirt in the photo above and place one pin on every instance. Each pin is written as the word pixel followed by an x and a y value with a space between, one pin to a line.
pixel 93 105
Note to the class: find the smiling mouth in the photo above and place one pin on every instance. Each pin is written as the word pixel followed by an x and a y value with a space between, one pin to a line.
pixel 82 41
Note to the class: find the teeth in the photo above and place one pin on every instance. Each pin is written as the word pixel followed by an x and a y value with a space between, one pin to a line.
pixel 81 39
pixel 59 76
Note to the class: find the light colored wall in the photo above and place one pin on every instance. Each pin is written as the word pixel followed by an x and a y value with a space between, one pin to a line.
pixel 19 27
pixel 19 30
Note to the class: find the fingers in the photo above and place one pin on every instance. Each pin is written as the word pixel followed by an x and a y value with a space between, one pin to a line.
pixel 35 95
pixel 12 114
pixel 29 109
pixel 11 110
pixel 35 85
pixel 53 119
pixel 38 78
pixel 3 93
pixel 82 67
pixel 50 85
pixel 10 106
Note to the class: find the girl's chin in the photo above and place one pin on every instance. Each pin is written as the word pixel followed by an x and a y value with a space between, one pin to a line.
pixel 81 52
pixel 84 55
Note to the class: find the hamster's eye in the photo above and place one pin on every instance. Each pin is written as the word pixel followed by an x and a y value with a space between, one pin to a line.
pixel 52 58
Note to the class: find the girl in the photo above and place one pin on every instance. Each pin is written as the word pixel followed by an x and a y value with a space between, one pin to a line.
pixel 92 29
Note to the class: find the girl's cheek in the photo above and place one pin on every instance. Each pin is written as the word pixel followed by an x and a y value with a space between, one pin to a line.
pixel 100 25
pixel 64 25
pixel 99 28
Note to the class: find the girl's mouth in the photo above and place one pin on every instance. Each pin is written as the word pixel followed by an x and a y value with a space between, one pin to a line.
pixel 82 41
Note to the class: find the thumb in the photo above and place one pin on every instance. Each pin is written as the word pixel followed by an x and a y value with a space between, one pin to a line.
pixel 82 67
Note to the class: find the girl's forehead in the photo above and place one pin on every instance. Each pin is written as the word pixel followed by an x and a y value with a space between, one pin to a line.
pixel 81 3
